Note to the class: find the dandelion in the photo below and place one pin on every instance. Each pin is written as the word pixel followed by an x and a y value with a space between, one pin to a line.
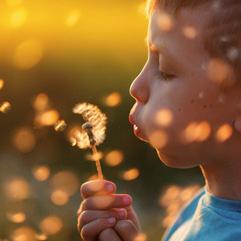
pixel 92 131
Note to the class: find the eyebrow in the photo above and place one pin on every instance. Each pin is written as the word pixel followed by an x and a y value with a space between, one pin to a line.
pixel 161 50
pixel 168 58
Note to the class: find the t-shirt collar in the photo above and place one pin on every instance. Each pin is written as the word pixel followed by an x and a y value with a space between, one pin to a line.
pixel 221 203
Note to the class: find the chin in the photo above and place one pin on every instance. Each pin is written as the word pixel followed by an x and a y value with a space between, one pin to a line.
pixel 175 161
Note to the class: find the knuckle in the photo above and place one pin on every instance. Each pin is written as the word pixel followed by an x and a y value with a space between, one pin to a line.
pixel 85 234
pixel 123 224
pixel 83 218
pixel 83 189
pixel 84 204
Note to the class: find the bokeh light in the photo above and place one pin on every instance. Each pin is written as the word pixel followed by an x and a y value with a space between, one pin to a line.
pixel 1 83
pixel 224 132
pixel 18 17
pixel 113 99
pixel 164 117
pixel 47 118
pixel 65 181
pixel 72 18
pixel 41 173
pixel 41 102
pixel 196 132
pixel 51 225
pixel 17 189
pixel 130 174
pixel 165 22
pixel 59 197
pixel 114 158
pixel 24 233
pixel 28 54
pixel 17 217
pixel 5 107
pixel 24 139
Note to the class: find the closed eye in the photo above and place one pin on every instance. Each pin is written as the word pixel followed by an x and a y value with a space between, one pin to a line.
pixel 167 76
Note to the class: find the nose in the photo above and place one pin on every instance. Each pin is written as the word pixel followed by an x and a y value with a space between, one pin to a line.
pixel 139 88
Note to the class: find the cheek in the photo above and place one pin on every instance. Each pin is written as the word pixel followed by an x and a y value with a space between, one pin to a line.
pixel 176 118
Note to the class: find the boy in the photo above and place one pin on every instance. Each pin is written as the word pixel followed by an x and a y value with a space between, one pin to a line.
pixel 188 107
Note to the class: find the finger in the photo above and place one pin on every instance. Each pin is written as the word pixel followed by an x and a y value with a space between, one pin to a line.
pixel 91 230
pixel 88 216
pixel 126 230
pixel 97 187
pixel 106 202
pixel 133 217
pixel 109 235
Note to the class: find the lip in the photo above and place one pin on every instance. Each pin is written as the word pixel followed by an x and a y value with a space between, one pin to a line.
pixel 136 129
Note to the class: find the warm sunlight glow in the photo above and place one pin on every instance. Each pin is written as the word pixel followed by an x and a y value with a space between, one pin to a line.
pixel 18 217
pixel 114 158
pixel 130 174
pixel 165 22
pixel 41 102
pixel 164 117
pixel 65 181
pixel 158 139
pixel 5 107
pixel 41 173
pixel 196 131
pixel 24 139
pixel 24 233
pixel 190 32
pixel 18 17
pixel 17 189
pixel 47 118
pixel 220 72
pixel 59 197
pixel 1 83
pixel 51 225
pixel 28 54
pixel 73 18
pixel 224 133
pixel 113 99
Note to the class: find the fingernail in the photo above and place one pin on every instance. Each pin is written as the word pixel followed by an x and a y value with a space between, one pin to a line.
pixel 126 200
pixel 109 187
pixel 111 220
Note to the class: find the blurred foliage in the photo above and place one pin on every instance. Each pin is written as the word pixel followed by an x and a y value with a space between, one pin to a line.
pixel 69 52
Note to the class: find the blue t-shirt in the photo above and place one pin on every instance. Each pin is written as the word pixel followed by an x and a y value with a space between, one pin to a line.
pixel 207 218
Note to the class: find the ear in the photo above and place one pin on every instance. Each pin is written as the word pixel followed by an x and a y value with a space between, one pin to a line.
pixel 237 123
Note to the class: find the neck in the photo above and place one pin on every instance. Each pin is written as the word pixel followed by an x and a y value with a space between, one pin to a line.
pixel 223 179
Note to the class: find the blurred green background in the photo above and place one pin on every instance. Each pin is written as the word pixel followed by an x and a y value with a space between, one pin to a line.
pixel 53 55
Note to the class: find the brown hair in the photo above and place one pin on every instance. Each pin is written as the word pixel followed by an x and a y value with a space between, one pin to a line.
pixel 173 5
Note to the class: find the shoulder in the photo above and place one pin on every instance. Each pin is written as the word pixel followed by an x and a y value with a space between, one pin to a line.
pixel 185 213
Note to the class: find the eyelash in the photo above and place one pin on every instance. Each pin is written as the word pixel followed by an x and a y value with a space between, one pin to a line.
pixel 166 76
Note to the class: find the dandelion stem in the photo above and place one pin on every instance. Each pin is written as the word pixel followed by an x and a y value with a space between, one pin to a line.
pixel 97 162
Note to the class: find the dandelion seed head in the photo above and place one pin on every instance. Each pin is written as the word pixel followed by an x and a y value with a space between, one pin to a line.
pixel 94 118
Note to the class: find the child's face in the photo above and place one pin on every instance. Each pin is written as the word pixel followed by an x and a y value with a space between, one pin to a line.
pixel 173 90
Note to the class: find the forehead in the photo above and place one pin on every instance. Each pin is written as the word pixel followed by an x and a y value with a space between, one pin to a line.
pixel 183 30
pixel 188 23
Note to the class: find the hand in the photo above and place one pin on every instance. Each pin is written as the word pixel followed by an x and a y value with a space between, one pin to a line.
pixel 101 210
